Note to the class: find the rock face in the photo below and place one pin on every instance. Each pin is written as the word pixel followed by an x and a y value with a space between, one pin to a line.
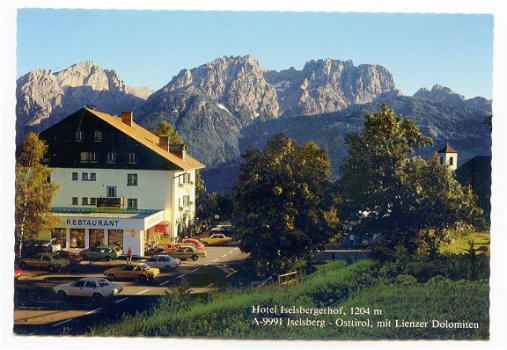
pixel 235 82
pixel 243 86
pixel 442 94
pixel 326 86
pixel 233 92
pixel 222 107
pixel 44 97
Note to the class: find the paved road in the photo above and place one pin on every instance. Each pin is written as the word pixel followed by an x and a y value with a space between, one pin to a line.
pixel 36 305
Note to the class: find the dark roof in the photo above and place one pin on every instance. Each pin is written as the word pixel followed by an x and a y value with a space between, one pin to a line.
pixel 147 139
pixel 447 149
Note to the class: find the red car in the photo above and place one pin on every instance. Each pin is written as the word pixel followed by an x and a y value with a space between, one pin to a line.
pixel 195 242
pixel 17 272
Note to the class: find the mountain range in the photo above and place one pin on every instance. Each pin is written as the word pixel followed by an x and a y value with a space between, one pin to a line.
pixel 232 103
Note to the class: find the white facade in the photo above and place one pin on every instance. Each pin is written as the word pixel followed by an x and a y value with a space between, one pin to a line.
pixel 449 159
pixel 171 193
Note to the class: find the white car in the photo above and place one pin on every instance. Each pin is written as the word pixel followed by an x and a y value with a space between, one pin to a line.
pixel 92 287
pixel 163 262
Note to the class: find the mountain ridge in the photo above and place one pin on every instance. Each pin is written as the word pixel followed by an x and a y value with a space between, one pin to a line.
pixel 222 107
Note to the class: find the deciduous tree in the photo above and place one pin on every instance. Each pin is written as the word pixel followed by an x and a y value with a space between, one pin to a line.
pixel 34 191
pixel 284 203
pixel 401 197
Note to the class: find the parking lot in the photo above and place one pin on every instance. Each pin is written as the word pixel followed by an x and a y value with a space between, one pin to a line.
pixel 36 304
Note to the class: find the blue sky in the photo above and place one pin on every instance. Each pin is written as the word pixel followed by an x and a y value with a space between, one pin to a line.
pixel 147 48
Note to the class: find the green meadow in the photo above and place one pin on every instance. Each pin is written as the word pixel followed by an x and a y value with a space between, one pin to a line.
pixel 451 288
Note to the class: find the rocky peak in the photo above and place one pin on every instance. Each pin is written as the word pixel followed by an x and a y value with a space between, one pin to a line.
pixel 325 86
pixel 237 82
pixel 439 93
pixel 44 97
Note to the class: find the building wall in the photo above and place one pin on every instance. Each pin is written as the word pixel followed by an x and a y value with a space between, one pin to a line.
pixel 183 213
pixel 156 189
pixel 449 159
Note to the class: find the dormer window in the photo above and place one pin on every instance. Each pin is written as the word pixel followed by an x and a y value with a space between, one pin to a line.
pixel 111 157
pixel 88 157
pixel 79 135
pixel 98 136
pixel 132 157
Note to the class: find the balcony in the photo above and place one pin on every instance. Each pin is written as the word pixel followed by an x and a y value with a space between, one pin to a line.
pixel 110 202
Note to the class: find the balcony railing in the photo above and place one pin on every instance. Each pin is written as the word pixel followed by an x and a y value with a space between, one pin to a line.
pixel 110 202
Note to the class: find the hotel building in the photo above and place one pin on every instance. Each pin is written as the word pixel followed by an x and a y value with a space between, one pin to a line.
pixel 119 183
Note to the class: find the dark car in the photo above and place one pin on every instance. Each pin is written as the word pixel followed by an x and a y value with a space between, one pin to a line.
pixel 45 261
pixel 74 258
pixel 101 253
pixel 33 247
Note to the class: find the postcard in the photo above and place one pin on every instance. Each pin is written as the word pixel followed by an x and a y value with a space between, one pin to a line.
pixel 288 175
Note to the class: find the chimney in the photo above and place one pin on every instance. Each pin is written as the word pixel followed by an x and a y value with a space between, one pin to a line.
pixel 164 142
pixel 126 117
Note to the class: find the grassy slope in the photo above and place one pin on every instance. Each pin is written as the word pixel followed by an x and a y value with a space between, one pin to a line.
pixel 334 284
pixel 460 243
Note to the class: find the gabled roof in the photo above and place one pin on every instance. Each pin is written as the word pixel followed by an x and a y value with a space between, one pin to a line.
pixel 147 139
pixel 447 149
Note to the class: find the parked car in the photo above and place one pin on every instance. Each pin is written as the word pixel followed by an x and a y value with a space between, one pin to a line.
pixel 101 253
pixel 195 242
pixel 184 252
pixel 30 248
pixel 72 257
pixel 140 271
pixel 217 239
pixel 169 248
pixel 90 287
pixel 17 272
pixel 163 262
pixel 49 261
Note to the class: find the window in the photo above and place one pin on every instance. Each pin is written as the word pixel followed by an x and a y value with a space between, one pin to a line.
pixel 96 237
pixel 132 203
pixel 451 161
pixel 131 179
pixel 60 234
pixel 132 157
pixel 111 191
pixel 85 156
pixel 93 176
pixel 441 160
pixel 111 157
pixel 93 201
pixel 79 136
pixel 98 136
pixel 185 178
pixel 77 238
pixel 75 201
pixel 75 176
pixel 186 201
pixel 115 238
pixel 91 284
pixel 89 156
pixel 84 176
pixel 84 201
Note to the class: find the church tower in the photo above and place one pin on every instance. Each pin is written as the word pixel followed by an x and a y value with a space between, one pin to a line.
pixel 449 157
